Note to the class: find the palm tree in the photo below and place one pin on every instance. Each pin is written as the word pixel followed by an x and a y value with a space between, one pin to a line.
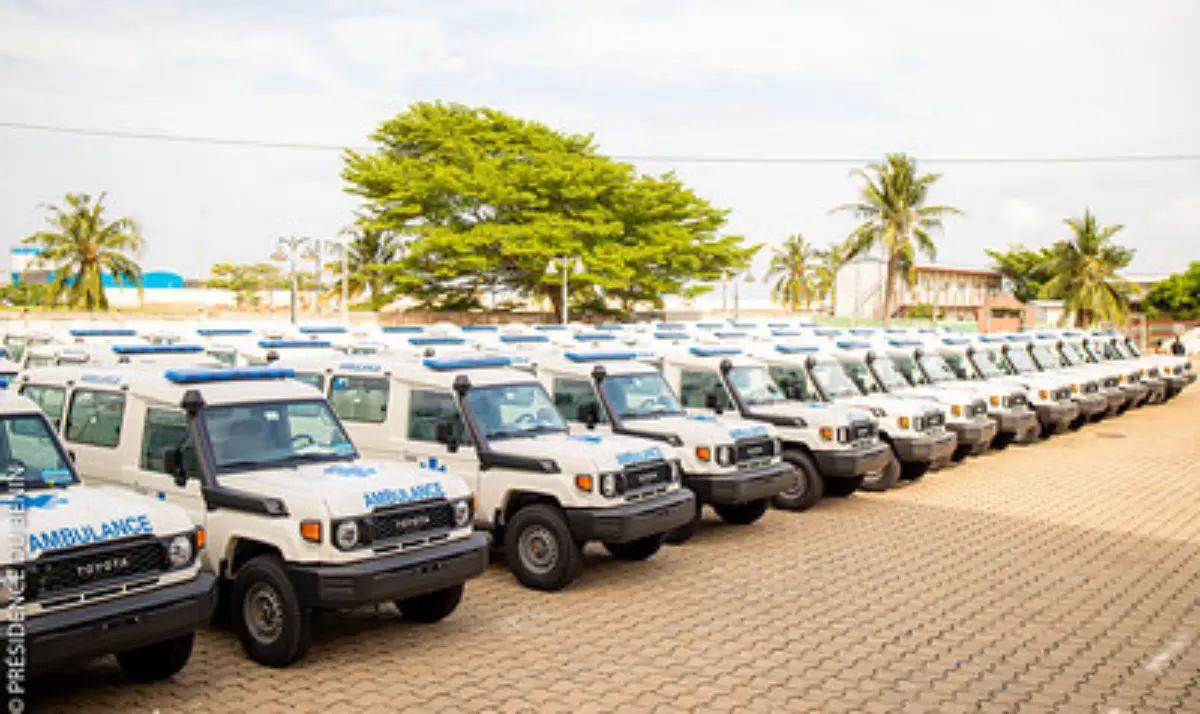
pixel 895 220
pixel 792 267
pixel 370 252
pixel 81 247
pixel 1085 273
pixel 828 262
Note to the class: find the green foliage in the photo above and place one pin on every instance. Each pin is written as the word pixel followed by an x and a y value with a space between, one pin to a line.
pixel 1085 273
pixel 369 254
pixel 481 202
pixel 1178 296
pixel 247 281
pixel 1029 270
pixel 792 267
pixel 895 219
pixel 23 295
pixel 920 311
pixel 824 273
pixel 81 246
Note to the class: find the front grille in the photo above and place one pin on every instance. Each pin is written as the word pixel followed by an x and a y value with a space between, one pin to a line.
pixel 92 566
pixel 1091 388
pixel 862 430
pixel 934 420
pixel 1110 382
pixel 753 450
pixel 1018 400
pixel 647 475
pixel 410 520
pixel 1153 372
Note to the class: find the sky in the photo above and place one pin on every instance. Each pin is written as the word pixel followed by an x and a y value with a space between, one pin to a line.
pixel 784 78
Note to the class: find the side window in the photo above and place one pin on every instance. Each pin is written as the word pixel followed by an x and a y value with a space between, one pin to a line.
pixel 94 418
pixel 48 399
pixel 165 429
pixel 571 394
pixel 794 383
pixel 428 409
pixel 700 390
pixel 361 399
pixel 313 380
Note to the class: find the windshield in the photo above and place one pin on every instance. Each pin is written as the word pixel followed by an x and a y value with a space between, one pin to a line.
pixel 267 434
pixel 754 386
pixel 831 378
pixel 635 396
pixel 513 410
pixel 862 377
pixel 1020 360
pixel 794 382
pixel 938 370
pixel 30 457
pixel 1075 354
pixel 1132 350
pixel 992 364
pixel 909 371
pixel 965 369
pixel 1045 358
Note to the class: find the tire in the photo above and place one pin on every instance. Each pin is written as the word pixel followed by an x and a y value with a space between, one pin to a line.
pixel 540 548
pixel 961 452
pixel 809 489
pixel 1003 440
pixel 636 550
pixel 684 533
pixel 842 487
pixel 159 661
pixel 982 447
pixel 914 471
pixel 275 630
pixel 431 607
pixel 742 514
pixel 884 479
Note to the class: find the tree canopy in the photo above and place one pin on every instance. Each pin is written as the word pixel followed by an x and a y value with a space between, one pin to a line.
pixel 792 270
pixel 1085 270
pixel 81 247
pixel 481 202
pixel 248 282
pixel 1178 296
pixel 1028 269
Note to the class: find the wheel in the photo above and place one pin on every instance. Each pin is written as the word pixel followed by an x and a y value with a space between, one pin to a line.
pixel 1078 423
pixel 913 471
pixel 981 448
pixel 1003 440
pixel 273 627
pixel 540 549
pixel 636 550
pixel 431 607
pixel 842 487
pixel 961 452
pixel 885 478
pixel 742 514
pixel 684 533
pixel 809 488
pixel 156 662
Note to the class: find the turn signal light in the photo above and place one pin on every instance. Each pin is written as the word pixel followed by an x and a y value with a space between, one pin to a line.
pixel 201 539
pixel 310 531
pixel 583 482
pixel 704 453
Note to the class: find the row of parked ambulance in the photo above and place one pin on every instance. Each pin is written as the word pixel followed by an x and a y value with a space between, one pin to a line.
pixel 263 473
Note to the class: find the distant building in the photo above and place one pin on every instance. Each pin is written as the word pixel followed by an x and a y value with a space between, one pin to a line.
pixel 952 293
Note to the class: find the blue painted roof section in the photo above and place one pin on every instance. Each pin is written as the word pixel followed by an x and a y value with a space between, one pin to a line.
pixel 104 332
pixel 787 333
pixel 853 344
pixel 600 356
pixel 479 328
pixel 710 325
pixel 550 328
pixel 448 363
pixel 956 340
pixel 219 331
pixel 862 331
pixel 594 336
pixel 904 343
pixel 523 339
pixel 729 334
pixel 323 330
pixel 670 326
pixel 827 331
pixel 671 336
pixel 237 374
pixel 402 329
pixel 795 349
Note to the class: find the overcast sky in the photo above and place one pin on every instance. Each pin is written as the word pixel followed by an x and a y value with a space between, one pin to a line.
pixel 687 77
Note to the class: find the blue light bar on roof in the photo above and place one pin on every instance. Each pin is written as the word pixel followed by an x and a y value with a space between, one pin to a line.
pixel 710 325
pixel 223 331
pixel 1072 333
pixel 1019 338
pixel 104 332
pixel 926 331
pixel 600 356
pixel 715 351
pixel 322 330
pixel 670 326
pixel 479 328
pixel 896 330
pixel 523 339
pixel 787 333
pixel 991 338
pixel 796 349
pixel 293 344
pixel 594 337
pixel 449 363
pixel 853 344
pixel 1045 336
pixel 956 341
pixel 904 343
pixel 610 327
pixel 862 331
pixel 402 329
pixel 156 349
pixel 435 341
pixel 778 325
pixel 550 328
pixel 827 331
pixel 745 325
pixel 726 334
pixel 671 336
pixel 235 374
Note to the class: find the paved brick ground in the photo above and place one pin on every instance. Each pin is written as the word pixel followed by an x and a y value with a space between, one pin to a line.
pixel 1061 577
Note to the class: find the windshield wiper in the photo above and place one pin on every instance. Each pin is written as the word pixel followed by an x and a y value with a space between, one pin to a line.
pixel 313 456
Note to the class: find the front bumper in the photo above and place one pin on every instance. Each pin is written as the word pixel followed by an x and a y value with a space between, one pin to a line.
pixel 925 449
pixel 852 463
pixel 743 486
pixel 391 577
pixel 973 433
pixel 1175 383
pixel 1138 393
pixel 1091 404
pixel 1158 390
pixel 1117 400
pixel 1023 425
pixel 1055 417
pixel 631 521
pixel 78 634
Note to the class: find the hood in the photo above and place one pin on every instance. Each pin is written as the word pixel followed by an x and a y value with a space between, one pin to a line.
pixel 895 405
pixel 705 428
pixel 69 517
pixel 588 452
pixel 818 413
pixel 351 488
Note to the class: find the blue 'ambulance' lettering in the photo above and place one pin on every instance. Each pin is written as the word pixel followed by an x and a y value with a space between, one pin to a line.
pixel 746 432
pixel 634 457
pixel 394 496
pixel 71 536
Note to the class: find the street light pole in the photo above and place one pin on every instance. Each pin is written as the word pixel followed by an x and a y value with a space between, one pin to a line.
pixel 288 249
pixel 567 264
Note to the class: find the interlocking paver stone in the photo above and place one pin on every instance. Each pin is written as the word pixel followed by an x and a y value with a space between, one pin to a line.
pixel 1064 576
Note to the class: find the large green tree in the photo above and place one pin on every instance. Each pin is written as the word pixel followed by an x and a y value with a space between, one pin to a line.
pixel 81 246
pixel 1027 269
pixel 1178 296
pixel 791 273
pixel 895 220
pixel 1085 268
pixel 482 201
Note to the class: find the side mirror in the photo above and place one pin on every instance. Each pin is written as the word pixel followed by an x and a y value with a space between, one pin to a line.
pixel 589 414
pixel 713 403
pixel 71 455
pixel 445 435
pixel 173 464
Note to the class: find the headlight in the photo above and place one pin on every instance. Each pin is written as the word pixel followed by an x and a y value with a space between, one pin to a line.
pixel 345 536
pixel 956 410
pixel 1044 394
pixel 462 513
pixel 724 455
pixel 179 551
pixel 608 485
pixel 995 400
pixel 903 422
